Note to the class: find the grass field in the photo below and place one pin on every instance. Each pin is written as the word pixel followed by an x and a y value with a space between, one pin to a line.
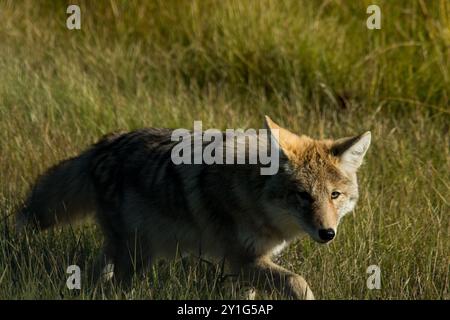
pixel 311 65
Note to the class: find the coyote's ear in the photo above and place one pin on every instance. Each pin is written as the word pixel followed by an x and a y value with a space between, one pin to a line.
pixel 351 151
pixel 284 139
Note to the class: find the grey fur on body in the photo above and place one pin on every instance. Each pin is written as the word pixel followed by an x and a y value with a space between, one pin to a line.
pixel 150 208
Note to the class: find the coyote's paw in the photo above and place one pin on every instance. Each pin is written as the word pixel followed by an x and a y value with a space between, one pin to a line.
pixel 299 289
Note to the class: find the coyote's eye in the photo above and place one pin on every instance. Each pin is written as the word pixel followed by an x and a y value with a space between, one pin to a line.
pixel 305 196
pixel 335 194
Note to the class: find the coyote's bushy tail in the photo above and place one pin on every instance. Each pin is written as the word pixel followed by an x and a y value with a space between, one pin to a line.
pixel 63 194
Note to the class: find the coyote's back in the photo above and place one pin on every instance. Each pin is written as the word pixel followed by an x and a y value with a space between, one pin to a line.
pixel 96 178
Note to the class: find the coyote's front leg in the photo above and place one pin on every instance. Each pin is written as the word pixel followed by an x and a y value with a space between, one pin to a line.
pixel 266 275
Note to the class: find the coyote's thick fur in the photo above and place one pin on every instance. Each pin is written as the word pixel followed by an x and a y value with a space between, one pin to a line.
pixel 150 208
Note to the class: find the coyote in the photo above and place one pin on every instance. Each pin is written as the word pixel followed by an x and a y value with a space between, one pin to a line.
pixel 150 208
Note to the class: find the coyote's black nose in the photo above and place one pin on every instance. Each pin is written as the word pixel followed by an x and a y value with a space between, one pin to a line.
pixel 326 234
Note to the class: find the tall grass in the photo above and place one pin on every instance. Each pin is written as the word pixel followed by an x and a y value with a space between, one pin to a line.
pixel 311 65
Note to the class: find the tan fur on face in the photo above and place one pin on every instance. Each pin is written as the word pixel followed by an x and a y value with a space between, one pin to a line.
pixel 318 173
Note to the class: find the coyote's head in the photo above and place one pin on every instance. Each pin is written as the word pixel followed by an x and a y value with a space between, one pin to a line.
pixel 316 185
